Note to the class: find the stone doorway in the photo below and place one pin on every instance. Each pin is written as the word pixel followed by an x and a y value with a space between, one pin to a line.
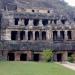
pixel 59 57
pixel 23 57
pixel 11 56
pixel 36 57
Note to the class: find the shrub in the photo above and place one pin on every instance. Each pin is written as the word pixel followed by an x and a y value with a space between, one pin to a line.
pixel 47 55
pixel 71 58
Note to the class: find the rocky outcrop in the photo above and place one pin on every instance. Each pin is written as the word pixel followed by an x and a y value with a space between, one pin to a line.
pixel 59 6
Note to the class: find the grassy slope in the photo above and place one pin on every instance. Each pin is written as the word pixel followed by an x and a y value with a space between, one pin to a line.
pixel 26 68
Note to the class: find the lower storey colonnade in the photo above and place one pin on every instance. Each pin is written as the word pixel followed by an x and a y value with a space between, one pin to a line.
pixel 33 56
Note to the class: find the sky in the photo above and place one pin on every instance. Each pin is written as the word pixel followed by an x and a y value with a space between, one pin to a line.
pixel 71 2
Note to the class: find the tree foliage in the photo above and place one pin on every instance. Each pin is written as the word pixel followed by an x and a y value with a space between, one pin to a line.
pixel 47 55
pixel 71 58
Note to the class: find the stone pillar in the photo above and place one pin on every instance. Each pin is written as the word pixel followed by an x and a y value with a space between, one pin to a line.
pixel 11 21
pixel 41 57
pixel 5 53
pixel 67 23
pixel 48 22
pixel 29 55
pixel 18 35
pixel 8 34
pixel 66 37
pixel 40 35
pixel 17 56
pixel 48 35
pixel 33 35
pixel 73 36
pixel 65 56
pixel 30 23
pixel 3 34
pixel 58 33
pixel 23 22
pixel 51 35
pixel 55 57
pixel 20 22
pixel 58 22
pixel 26 35
pixel 40 23
pixel 73 56
pixel 1 55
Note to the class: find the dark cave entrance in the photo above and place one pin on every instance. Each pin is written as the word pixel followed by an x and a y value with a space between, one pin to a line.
pixel 11 56
pixel 23 57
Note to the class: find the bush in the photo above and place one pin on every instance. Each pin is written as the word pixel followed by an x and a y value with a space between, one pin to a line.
pixel 71 58
pixel 47 55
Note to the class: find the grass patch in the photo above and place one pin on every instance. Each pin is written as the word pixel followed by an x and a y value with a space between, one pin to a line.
pixel 33 68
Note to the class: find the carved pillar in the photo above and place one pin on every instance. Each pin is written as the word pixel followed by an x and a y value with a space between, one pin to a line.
pixel 5 53
pixel 3 34
pixel 29 55
pixel 51 35
pixel 17 56
pixel 58 22
pixel 73 36
pixel 33 35
pixel 48 35
pixel 55 56
pixel 58 33
pixel 67 23
pixel 48 22
pixel 11 21
pixel 8 34
pixel 65 56
pixel 30 23
pixel 40 23
pixel 40 35
pixel 66 37
pixel 18 35
pixel 20 22
pixel 26 34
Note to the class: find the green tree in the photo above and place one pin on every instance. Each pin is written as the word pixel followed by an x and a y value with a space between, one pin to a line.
pixel 71 58
pixel 47 55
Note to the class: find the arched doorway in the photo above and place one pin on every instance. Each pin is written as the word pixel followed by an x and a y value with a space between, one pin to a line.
pixel 23 57
pixel 69 34
pixel 45 22
pixel 43 35
pixel 14 35
pixel 62 35
pixel 59 57
pixel 22 35
pixel 11 56
pixel 36 22
pixel 36 35
pixel 30 35
pixel 26 22
pixel 36 57
pixel 55 35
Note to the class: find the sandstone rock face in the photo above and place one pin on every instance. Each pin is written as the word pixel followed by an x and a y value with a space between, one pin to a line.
pixel 59 6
